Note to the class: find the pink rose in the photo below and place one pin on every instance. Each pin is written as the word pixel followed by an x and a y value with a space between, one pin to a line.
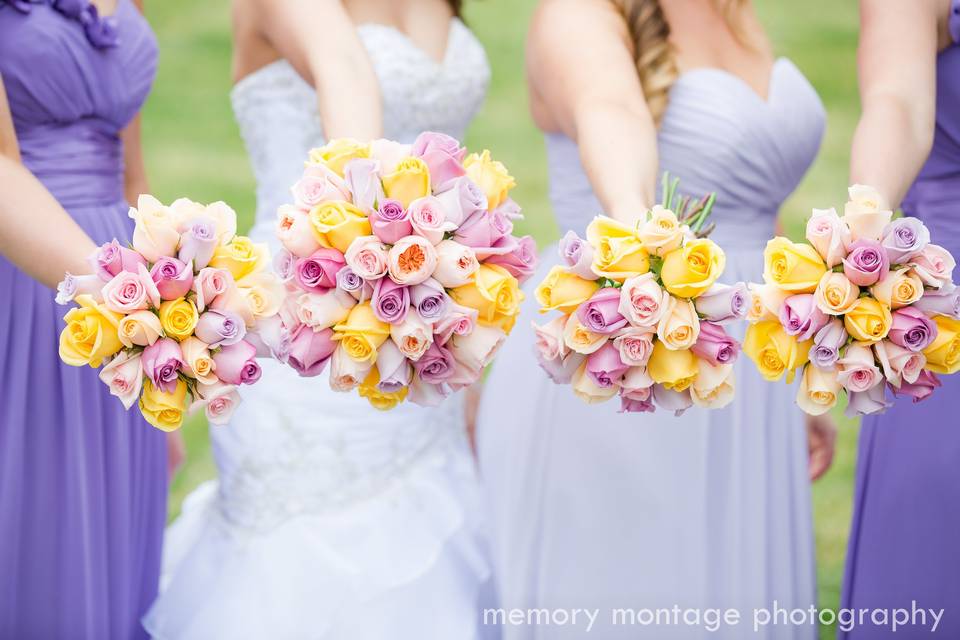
pixel 411 260
pixel 367 256
pixel 635 345
pixel 210 283
pixel 483 231
pixel 642 300
pixel 605 367
pixel 899 364
pixel 111 258
pixel 714 345
pixel 162 362
pixel 461 198
pixel 600 314
pixel 435 365
pixel 394 368
pixel 128 292
pixel 636 383
pixel 934 265
pixel 124 376
pixel 391 222
pixel 198 242
pixel 362 176
pixel 801 317
pixel 458 320
pixel 521 262
pixel 442 154
pixel 318 185
pixel 553 355
pixel 858 373
pixel 310 350
pixel 867 263
pixel 921 388
pixel 829 235
pixel 236 363
pixel 218 401
pixel 295 232
pixel 318 272
pixel 429 219
pixel 173 278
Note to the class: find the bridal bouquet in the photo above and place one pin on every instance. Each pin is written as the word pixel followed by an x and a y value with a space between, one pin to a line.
pixel 401 267
pixel 175 320
pixel 641 315
pixel 866 304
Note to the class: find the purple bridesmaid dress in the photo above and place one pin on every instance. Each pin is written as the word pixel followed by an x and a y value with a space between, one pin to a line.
pixel 905 537
pixel 82 482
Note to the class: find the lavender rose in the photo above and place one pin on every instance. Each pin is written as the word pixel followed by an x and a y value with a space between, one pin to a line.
pixel 521 262
pixel 318 273
pixel 714 345
pixel 395 370
pixel 865 403
pixel 723 303
pixel 162 362
pixel 390 301
pixel 601 313
pixel 236 363
pixel 172 277
pixel 912 329
pixel 430 300
pixel 866 263
pixel 220 328
pixel 110 259
pixel 461 198
pixel 198 242
pixel 801 317
pixel 436 364
pixel 940 302
pixel 309 350
pixel 827 344
pixel 390 221
pixel 904 238
pixel 927 382
pixel 605 367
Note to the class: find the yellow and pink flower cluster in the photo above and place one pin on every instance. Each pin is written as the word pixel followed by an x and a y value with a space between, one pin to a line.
pixel 866 305
pixel 641 313
pixel 177 320
pixel 401 267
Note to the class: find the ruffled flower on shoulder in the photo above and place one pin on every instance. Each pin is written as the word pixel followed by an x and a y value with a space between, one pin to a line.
pixel 101 31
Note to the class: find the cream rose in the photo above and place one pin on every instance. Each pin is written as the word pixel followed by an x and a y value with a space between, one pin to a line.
pixel 899 288
pixel 413 336
pixel 155 234
pixel 295 231
pixel 714 387
pixel 367 256
pixel 411 260
pixel 635 345
pixel 323 310
pixel 197 362
pixel 124 376
pixel 835 294
pixel 642 300
pixel 679 326
pixel 580 339
pixel 866 214
pixel 662 232
pixel 141 328
pixel 829 235
pixel 456 264
pixel 346 374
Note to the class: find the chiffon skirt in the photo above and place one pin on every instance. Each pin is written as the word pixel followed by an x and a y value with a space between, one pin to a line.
pixel 82 481
pixel 601 510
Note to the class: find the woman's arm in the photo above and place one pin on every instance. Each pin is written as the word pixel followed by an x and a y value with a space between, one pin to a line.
pixel 135 180
pixel 897 68
pixel 581 66
pixel 320 40
pixel 36 234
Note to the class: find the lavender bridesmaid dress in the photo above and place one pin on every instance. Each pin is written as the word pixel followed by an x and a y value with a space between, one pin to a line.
pixel 905 537
pixel 82 482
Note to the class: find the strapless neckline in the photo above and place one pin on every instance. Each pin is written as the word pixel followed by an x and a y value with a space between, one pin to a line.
pixel 736 80
pixel 456 25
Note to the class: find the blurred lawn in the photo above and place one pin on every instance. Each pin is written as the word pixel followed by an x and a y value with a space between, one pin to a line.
pixel 193 149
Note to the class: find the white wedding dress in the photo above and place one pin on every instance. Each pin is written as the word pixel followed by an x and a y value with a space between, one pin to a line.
pixel 331 519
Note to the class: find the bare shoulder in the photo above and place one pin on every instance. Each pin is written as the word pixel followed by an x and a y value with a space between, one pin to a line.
pixel 557 24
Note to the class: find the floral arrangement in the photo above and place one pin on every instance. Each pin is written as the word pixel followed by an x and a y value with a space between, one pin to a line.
pixel 641 313
pixel 401 267
pixel 865 305
pixel 177 319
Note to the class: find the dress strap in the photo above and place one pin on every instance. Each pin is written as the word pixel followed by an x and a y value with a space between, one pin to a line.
pixel 955 21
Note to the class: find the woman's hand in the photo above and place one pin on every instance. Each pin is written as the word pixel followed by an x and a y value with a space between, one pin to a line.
pixel 176 453
pixel 821 444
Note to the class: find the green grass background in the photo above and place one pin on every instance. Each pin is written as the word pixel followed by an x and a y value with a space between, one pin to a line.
pixel 193 149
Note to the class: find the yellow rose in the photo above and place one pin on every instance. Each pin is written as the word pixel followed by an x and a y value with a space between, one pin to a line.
pixel 943 354
pixel 178 318
pixel 898 289
pixel 163 410
pixel 662 233
pixel 337 153
pixel 692 269
pixel 580 339
pixel 494 293
pixel 380 400
pixel 618 250
pixel 674 369
pixel 793 267
pixel 90 335
pixel 587 390
pixel 835 294
pixel 491 176
pixel 337 223
pixel 362 334
pixel 408 181
pixel 868 320
pixel 563 291
pixel 241 257
pixel 819 390
pixel 774 352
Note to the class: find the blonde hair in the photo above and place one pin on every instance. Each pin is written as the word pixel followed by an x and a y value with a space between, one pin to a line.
pixel 656 62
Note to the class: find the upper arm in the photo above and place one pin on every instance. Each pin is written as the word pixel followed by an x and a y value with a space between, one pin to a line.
pixel 580 53
pixel 897 54
pixel 8 135
pixel 312 35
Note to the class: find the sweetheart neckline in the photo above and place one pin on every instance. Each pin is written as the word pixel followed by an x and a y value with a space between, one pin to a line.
pixel 437 65
pixel 740 81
